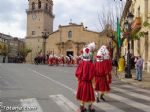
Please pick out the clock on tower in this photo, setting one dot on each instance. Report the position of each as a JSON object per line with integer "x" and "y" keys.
{"x": 39, "y": 19}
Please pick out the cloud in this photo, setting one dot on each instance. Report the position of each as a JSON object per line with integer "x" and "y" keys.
{"x": 13, "y": 15}
{"x": 85, "y": 11}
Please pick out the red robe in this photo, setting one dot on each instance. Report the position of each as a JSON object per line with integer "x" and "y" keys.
{"x": 101, "y": 76}
{"x": 63, "y": 60}
{"x": 85, "y": 73}
{"x": 108, "y": 65}
{"x": 50, "y": 61}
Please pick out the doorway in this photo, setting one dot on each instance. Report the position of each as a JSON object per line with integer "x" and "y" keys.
{"x": 68, "y": 53}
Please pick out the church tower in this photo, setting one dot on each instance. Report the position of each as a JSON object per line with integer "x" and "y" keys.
{"x": 39, "y": 19}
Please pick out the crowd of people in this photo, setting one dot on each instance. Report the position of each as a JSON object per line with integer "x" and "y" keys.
{"x": 93, "y": 74}
{"x": 136, "y": 63}
{"x": 57, "y": 60}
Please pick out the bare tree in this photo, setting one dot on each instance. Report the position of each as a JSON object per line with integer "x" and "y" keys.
{"x": 108, "y": 19}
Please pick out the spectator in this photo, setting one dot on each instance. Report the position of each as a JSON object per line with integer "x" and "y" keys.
{"x": 115, "y": 64}
{"x": 121, "y": 66}
{"x": 139, "y": 67}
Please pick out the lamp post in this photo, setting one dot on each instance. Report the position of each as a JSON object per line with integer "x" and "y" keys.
{"x": 45, "y": 36}
{"x": 127, "y": 26}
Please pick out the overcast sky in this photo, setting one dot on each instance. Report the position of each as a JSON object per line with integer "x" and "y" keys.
{"x": 13, "y": 15}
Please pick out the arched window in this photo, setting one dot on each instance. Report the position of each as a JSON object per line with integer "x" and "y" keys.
{"x": 70, "y": 34}
{"x": 33, "y": 5}
{"x": 39, "y": 4}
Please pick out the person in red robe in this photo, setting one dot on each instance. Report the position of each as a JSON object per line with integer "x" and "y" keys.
{"x": 103, "y": 73}
{"x": 85, "y": 74}
{"x": 50, "y": 60}
{"x": 63, "y": 60}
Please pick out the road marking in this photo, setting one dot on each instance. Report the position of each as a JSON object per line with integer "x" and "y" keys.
{"x": 136, "y": 88}
{"x": 65, "y": 104}
{"x": 30, "y": 105}
{"x": 134, "y": 94}
{"x": 130, "y": 102}
{"x": 1, "y": 105}
{"x": 61, "y": 70}
{"x": 57, "y": 82}
{"x": 107, "y": 107}
{"x": 111, "y": 95}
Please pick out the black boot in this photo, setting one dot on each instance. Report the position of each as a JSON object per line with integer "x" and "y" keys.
{"x": 91, "y": 109}
{"x": 102, "y": 97}
{"x": 82, "y": 109}
{"x": 97, "y": 99}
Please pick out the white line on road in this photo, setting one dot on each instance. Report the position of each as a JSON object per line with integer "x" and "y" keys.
{"x": 57, "y": 82}
{"x": 134, "y": 94}
{"x": 65, "y": 104}
{"x": 30, "y": 105}
{"x": 61, "y": 70}
{"x": 130, "y": 102}
{"x": 107, "y": 107}
{"x": 111, "y": 95}
{"x": 136, "y": 88}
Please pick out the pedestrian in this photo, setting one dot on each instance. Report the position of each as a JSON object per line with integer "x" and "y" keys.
{"x": 85, "y": 73}
{"x": 139, "y": 67}
{"x": 4, "y": 59}
{"x": 103, "y": 78}
{"x": 121, "y": 66}
{"x": 115, "y": 64}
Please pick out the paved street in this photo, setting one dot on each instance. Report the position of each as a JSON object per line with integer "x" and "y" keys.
{"x": 42, "y": 88}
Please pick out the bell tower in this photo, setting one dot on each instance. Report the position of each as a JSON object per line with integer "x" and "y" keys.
{"x": 39, "y": 19}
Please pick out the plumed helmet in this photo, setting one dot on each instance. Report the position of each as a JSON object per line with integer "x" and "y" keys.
{"x": 91, "y": 46}
{"x": 86, "y": 54}
{"x": 103, "y": 53}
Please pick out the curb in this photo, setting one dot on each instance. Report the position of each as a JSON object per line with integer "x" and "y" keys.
{"x": 129, "y": 81}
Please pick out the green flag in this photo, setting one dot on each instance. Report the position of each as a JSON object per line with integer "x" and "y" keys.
{"x": 118, "y": 33}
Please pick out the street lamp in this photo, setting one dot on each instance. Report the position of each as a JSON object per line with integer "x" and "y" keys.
{"x": 45, "y": 36}
{"x": 127, "y": 26}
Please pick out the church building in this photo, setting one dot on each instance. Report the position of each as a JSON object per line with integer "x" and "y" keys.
{"x": 70, "y": 40}
{"x": 67, "y": 40}
{"x": 39, "y": 19}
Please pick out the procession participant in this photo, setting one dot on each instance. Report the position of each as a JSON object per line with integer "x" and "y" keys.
{"x": 78, "y": 59}
{"x": 92, "y": 46}
{"x": 56, "y": 60}
{"x": 102, "y": 73}
{"x": 108, "y": 65}
{"x": 50, "y": 60}
{"x": 85, "y": 73}
{"x": 62, "y": 60}
{"x": 71, "y": 60}
{"x": 68, "y": 60}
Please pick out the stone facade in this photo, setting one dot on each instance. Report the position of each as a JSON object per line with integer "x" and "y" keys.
{"x": 39, "y": 19}
{"x": 10, "y": 47}
{"x": 70, "y": 39}
{"x": 140, "y": 10}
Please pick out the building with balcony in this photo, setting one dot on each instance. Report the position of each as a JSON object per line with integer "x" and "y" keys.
{"x": 140, "y": 34}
